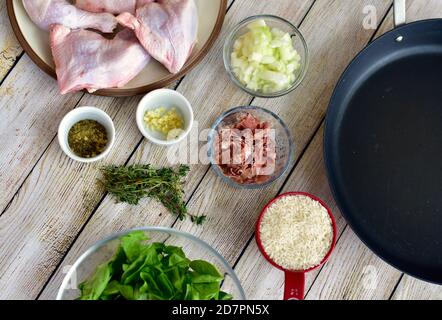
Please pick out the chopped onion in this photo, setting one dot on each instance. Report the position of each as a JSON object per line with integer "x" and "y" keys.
{"x": 264, "y": 58}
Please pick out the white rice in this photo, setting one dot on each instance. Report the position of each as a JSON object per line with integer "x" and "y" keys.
{"x": 296, "y": 232}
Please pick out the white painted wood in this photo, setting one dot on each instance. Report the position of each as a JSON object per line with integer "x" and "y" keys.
{"x": 9, "y": 47}
{"x": 30, "y": 110}
{"x": 413, "y": 289}
{"x": 59, "y": 196}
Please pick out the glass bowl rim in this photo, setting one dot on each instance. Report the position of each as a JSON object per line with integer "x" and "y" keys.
{"x": 231, "y": 38}
{"x": 172, "y": 231}
{"x": 216, "y": 168}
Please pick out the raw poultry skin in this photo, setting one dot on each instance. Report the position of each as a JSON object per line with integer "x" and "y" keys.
{"x": 86, "y": 60}
{"x": 45, "y": 13}
{"x": 167, "y": 29}
{"x": 111, "y": 6}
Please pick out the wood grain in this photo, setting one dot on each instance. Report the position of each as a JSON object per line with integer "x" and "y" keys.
{"x": 210, "y": 92}
{"x": 59, "y": 212}
{"x": 410, "y": 288}
{"x": 30, "y": 109}
{"x": 10, "y": 49}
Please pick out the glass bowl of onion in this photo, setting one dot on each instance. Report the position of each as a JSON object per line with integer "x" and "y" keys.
{"x": 250, "y": 147}
{"x": 266, "y": 56}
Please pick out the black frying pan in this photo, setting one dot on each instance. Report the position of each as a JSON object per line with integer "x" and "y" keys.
{"x": 383, "y": 146}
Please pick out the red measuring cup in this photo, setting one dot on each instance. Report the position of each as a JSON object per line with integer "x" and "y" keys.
{"x": 294, "y": 279}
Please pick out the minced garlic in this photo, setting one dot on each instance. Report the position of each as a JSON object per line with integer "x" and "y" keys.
{"x": 163, "y": 120}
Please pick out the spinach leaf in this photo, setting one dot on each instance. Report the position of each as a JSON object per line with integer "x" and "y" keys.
{"x": 225, "y": 296}
{"x": 132, "y": 244}
{"x": 207, "y": 291}
{"x": 204, "y": 278}
{"x": 204, "y": 267}
{"x": 113, "y": 288}
{"x": 92, "y": 289}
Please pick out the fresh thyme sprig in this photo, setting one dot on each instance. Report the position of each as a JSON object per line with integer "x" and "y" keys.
{"x": 132, "y": 183}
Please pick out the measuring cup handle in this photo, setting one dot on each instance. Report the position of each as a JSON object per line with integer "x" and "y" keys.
{"x": 294, "y": 286}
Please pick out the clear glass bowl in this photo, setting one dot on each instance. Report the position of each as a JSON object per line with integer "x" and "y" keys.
{"x": 299, "y": 44}
{"x": 285, "y": 147}
{"x": 104, "y": 250}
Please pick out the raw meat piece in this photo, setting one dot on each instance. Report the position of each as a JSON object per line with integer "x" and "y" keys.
{"x": 111, "y": 6}
{"x": 45, "y": 13}
{"x": 167, "y": 29}
{"x": 86, "y": 60}
{"x": 245, "y": 150}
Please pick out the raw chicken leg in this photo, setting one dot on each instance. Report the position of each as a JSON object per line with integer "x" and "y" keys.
{"x": 167, "y": 29}
{"x": 45, "y": 13}
{"x": 111, "y": 6}
{"x": 86, "y": 60}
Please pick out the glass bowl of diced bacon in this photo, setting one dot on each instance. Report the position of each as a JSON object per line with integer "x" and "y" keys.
{"x": 250, "y": 147}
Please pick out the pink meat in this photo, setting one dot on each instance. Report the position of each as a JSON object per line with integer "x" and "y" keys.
{"x": 246, "y": 150}
{"x": 111, "y": 6}
{"x": 45, "y": 13}
{"x": 86, "y": 60}
{"x": 167, "y": 29}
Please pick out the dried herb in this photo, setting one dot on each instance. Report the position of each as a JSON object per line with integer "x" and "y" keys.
{"x": 132, "y": 183}
{"x": 88, "y": 138}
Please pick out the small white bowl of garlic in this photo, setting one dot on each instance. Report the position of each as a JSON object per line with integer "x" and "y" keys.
{"x": 165, "y": 117}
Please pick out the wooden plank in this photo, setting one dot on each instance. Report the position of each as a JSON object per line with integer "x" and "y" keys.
{"x": 210, "y": 92}
{"x": 30, "y": 109}
{"x": 9, "y": 47}
{"x": 410, "y": 288}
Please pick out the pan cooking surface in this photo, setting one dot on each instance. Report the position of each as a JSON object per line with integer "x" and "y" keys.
{"x": 384, "y": 157}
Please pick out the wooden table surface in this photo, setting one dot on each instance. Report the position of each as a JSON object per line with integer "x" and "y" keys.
{"x": 51, "y": 210}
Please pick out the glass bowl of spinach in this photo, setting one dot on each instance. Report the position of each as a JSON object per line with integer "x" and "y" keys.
{"x": 151, "y": 263}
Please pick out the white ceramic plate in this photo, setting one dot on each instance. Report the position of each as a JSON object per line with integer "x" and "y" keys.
{"x": 36, "y": 44}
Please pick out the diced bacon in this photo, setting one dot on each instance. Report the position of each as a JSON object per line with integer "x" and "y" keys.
{"x": 246, "y": 150}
